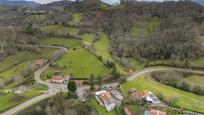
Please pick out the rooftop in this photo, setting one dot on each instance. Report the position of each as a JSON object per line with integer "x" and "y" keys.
{"x": 57, "y": 78}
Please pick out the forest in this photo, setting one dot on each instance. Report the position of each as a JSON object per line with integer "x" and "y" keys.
{"x": 170, "y": 30}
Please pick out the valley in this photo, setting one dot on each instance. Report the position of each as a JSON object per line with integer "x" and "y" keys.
{"x": 88, "y": 57}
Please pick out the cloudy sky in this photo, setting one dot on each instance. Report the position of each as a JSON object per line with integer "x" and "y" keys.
{"x": 107, "y": 1}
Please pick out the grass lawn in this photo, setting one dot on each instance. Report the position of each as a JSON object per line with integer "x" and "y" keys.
{"x": 167, "y": 91}
{"x": 195, "y": 80}
{"x": 48, "y": 73}
{"x": 24, "y": 56}
{"x": 102, "y": 47}
{"x": 39, "y": 87}
{"x": 144, "y": 27}
{"x": 99, "y": 109}
{"x": 14, "y": 71}
{"x": 198, "y": 62}
{"x": 88, "y": 38}
{"x": 66, "y": 42}
{"x": 79, "y": 63}
{"x": 134, "y": 109}
{"x": 59, "y": 29}
{"x": 10, "y": 100}
{"x": 76, "y": 19}
{"x": 36, "y": 17}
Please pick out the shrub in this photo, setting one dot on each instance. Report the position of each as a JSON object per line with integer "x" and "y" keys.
{"x": 184, "y": 86}
{"x": 197, "y": 90}
{"x": 122, "y": 80}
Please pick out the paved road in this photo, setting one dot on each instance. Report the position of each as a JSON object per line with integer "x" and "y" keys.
{"x": 52, "y": 88}
{"x": 149, "y": 70}
{"x": 55, "y": 88}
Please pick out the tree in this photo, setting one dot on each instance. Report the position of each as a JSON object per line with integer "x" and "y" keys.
{"x": 197, "y": 90}
{"x": 184, "y": 86}
{"x": 122, "y": 80}
{"x": 72, "y": 86}
{"x": 57, "y": 54}
{"x": 91, "y": 81}
{"x": 99, "y": 78}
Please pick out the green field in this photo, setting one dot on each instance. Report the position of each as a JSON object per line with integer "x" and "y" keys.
{"x": 11, "y": 68}
{"x": 144, "y": 27}
{"x": 79, "y": 63}
{"x": 144, "y": 83}
{"x": 88, "y": 38}
{"x": 102, "y": 48}
{"x": 14, "y": 73}
{"x": 10, "y": 100}
{"x": 66, "y": 42}
{"x": 36, "y": 17}
{"x": 195, "y": 80}
{"x": 76, "y": 19}
{"x": 59, "y": 29}
{"x": 24, "y": 56}
{"x": 99, "y": 109}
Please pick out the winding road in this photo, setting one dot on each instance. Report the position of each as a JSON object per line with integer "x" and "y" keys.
{"x": 55, "y": 88}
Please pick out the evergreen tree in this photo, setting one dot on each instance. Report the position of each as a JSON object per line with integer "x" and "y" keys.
{"x": 91, "y": 81}
{"x": 72, "y": 86}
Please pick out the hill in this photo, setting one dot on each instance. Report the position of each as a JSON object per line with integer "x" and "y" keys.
{"x": 201, "y": 2}
{"x": 58, "y": 5}
{"x": 19, "y": 3}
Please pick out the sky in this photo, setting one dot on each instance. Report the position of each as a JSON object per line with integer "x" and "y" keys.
{"x": 107, "y": 1}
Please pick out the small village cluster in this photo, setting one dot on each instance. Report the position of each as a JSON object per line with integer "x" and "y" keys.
{"x": 113, "y": 97}
{"x": 108, "y": 97}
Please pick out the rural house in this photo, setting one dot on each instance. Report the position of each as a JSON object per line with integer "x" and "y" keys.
{"x": 146, "y": 95}
{"x": 105, "y": 99}
{"x": 58, "y": 79}
{"x": 20, "y": 90}
{"x": 38, "y": 63}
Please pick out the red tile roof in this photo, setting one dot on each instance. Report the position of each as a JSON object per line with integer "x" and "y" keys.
{"x": 38, "y": 62}
{"x": 139, "y": 95}
{"x": 157, "y": 112}
{"x": 127, "y": 112}
{"x": 57, "y": 78}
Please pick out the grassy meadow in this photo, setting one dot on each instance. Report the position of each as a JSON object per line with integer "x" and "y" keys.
{"x": 102, "y": 48}
{"x": 65, "y": 42}
{"x": 88, "y": 38}
{"x": 24, "y": 56}
{"x": 10, "y": 100}
{"x": 76, "y": 19}
{"x": 59, "y": 29}
{"x": 147, "y": 83}
{"x": 78, "y": 63}
{"x": 144, "y": 27}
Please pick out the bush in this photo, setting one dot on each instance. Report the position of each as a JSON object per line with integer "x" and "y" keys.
{"x": 71, "y": 95}
{"x": 184, "y": 86}
{"x": 2, "y": 84}
{"x": 197, "y": 90}
{"x": 160, "y": 96}
{"x": 122, "y": 80}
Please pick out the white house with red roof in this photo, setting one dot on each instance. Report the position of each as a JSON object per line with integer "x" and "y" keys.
{"x": 105, "y": 99}
{"x": 58, "y": 79}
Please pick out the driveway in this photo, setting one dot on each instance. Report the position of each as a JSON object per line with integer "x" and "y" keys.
{"x": 55, "y": 88}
